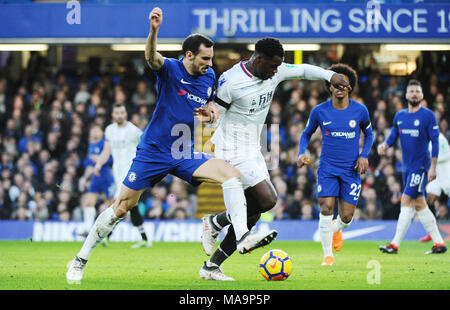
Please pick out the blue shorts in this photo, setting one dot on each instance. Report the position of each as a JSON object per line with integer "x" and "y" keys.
{"x": 103, "y": 184}
{"x": 415, "y": 183}
{"x": 336, "y": 182}
{"x": 151, "y": 165}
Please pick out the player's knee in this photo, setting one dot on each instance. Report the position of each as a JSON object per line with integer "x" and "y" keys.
{"x": 121, "y": 207}
{"x": 269, "y": 202}
{"x": 326, "y": 209}
{"x": 346, "y": 218}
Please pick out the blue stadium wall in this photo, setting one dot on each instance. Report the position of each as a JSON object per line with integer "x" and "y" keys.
{"x": 320, "y": 21}
{"x": 190, "y": 230}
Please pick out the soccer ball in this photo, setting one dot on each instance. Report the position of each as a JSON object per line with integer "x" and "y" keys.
{"x": 275, "y": 265}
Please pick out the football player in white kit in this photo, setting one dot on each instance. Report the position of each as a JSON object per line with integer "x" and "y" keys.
{"x": 122, "y": 138}
{"x": 244, "y": 95}
{"x": 441, "y": 184}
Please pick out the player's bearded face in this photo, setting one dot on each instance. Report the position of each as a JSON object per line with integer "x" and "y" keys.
{"x": 203, "y": 60}
{"x": 119, "y": 116}
{"x": 414, "y": 95}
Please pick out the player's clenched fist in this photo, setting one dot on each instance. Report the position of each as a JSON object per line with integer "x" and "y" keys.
{"x": 303, "y": 160}
{"x": 155, "y": 18}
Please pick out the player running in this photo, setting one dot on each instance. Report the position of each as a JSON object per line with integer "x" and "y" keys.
{"x": 100, "y": 182}
{"x": 244, "y": 95}
{"x": 122, "y": 138}
{"x": 441, "y": 184}
{"x": 166, "y": 145}
{"x": 341, "y": 163}
{"x": 416, "y": 126}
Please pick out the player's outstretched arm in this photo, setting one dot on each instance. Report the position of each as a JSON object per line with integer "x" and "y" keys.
{"x": 311, "y": 72}
{"x": 154, "y": 59}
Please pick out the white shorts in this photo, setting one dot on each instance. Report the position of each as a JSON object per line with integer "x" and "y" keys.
{"x": 119, "y": 176}
{"x": 253, "y": 170}
{"x": 436, "y": 188}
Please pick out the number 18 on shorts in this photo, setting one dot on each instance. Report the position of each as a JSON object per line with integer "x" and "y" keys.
{"x": 415, "y": 183}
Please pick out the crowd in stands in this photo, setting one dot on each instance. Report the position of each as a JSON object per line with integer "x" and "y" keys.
{"x": 44, "y": 125}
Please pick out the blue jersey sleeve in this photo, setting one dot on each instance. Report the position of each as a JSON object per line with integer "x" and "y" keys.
{"x": 366, "y": 127}
{"x": 310, "y": 128}
{"x": 394, "y": 132}
{"x": 163, "y": 72}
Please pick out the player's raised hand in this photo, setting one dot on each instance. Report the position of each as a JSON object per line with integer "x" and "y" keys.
{"x": 362, "y": 164}
{"x": 155, "y": 18}
{"x": 303, "y": 159}
{"x": 338, "y": 81}
{"x": 381, "y": 149}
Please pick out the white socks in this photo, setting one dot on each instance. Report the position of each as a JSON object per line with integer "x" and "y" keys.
{"x": 404, "y": 220}
{"x": 89, "y": 214}
{"x": 234, "y": 198}
{"x": 428, "y": 221}
{"x": 104, "y": 224}
{"x": 326, "y": 234}
{"x": 338, "y": 225}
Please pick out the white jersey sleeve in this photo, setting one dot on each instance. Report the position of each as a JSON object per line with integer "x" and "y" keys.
{"x": 444, "y": 149}
{"x": 136, "y": 132}
{"x": 224, "y": 96}
{"x": 303, "y": 71}
{"x": 108, "y": 133}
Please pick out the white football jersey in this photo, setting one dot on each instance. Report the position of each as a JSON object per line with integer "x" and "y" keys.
{"x": 247, "y": 99}
{"x": 123, "y": 142}
{"x": 443, "y": 164}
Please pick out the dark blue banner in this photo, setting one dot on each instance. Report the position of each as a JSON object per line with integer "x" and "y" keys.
{"x": 190, "y": 230}
{"x": 297, "y": 22}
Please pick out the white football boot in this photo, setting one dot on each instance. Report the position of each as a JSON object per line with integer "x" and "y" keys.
{"x": 75, "y": 272}
{"x": 213, "y": 273}
{"x": 209, "y": 235}
{"x": 254, "y": 240}
{"x": 142, "y": 244}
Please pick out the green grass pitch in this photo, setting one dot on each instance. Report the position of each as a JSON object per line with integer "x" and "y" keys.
{"x": 28, "y": 265}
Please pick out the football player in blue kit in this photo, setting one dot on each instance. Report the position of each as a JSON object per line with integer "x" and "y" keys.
{"x": 341, "y": 121}
{"x": 167, "y": 145}
{"x": 416, "y": 126}
{"x": 101, "y": 183}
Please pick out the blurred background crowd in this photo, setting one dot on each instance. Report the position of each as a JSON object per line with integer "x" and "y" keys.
{"x": 45, "y": 116}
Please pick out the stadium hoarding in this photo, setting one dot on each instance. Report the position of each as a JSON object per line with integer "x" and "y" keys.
{"x": 79, "y": 22}
{"x": 190, "y": 230}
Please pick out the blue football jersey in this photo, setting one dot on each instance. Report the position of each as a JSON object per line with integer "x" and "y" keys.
{"x": 415, "y": 130}
{"x": 178, "y": 94}
{"x": 95, "y": 149}
{"x": 340, "y": 133}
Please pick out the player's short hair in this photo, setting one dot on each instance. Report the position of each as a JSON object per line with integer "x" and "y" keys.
{"x": 192, "y": 43}
{"x": 118, "y": 105}
{"x": 414, "y": 83}
{"x": 94, "y": 124}
{"x": 347, "y": 71}
{"x": 269, "y": 47}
